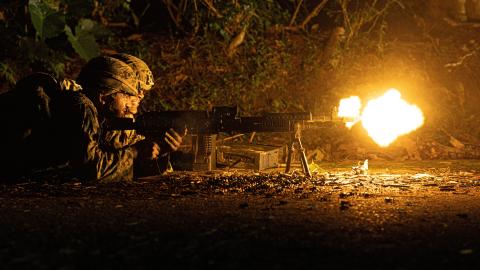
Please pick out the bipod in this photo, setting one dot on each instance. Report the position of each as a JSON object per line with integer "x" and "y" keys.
{"x": 296, "y": 143}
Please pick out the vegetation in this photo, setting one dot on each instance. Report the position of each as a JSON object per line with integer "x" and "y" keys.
{"x": 274, "y": 55}
{"x": 203, "y": 52}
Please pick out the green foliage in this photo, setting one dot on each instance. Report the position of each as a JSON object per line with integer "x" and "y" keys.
{"x": 256, "y": 16}
{"x": 365, "y": 19}
{"x": 41, "y": 57}
{"x": 47, "y": 20}
{"x": 83, "y": 41}
{"x": 7, "y": 73}
{"x": 78, "y": 9}
{"x": 44, "y": 40}
{"x": 271, "y": 66}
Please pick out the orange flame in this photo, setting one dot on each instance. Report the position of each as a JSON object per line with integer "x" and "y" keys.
{"x": 388, "y": 117}
{"x": 349, "y": 108}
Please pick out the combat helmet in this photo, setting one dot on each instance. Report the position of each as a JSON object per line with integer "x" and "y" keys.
{"x": 107, "y": 75}
{"x": 143, "y": 72}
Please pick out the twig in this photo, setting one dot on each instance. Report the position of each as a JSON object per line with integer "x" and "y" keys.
{"x": 465, "y": 24}
{"x": 314, "y": 13}
{"x": 116, "y": 24}
{"x": 295, "y": 13}
{"x": 171, "y": 6}
{"x": 346, "y": 19}
{"x": 182, "y": 6}
{"x": 460, "y": 61}
{"x": 210, "y": 6}
{"x": 197, "y": 20}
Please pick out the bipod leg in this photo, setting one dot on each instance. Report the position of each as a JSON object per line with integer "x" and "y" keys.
{"x": 195, "y": 148}
{"x": 303, "y": 158}
{"x": 289, "y": 156}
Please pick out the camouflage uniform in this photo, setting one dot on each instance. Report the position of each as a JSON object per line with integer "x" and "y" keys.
{"x": 49, "y": 128}
{"x": 145, "y": 83}
{"x": 117, "y": 139}
{"x": 76, "y": 131}
{"x": 69, "y": 85}
{"x": 108, "y": 75}
{"x": 111, "y": 139}
{"x": 114, "y": 140}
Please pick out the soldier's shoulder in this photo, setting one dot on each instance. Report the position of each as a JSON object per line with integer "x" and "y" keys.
{"x": 75, "y": 97}
{"x": 75, "y": 102}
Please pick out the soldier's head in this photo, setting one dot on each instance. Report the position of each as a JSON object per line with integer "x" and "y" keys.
{"x": 144, "y": 74}
{"x": 144, "y": 78}
{"x": 110, "y": 83}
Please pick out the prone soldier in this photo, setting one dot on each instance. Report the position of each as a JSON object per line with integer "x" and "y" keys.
{"x": 65, "y": 128}
{"x": 116, "y": 139}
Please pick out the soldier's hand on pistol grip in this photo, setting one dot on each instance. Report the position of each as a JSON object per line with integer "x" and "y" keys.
{"x": 147, "y": 150}
{"x": 173, "y": 140}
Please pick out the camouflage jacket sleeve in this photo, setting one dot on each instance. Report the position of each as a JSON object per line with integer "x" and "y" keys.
{"x": 120, "y": 139}
{"x": 69, "y": 85}
{"x": 93, "y": 160}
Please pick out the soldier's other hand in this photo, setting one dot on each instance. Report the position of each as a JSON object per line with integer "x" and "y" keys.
{"x": 173, "y": 139}
{"x": 147, "y": 150}
{"x": 155, "y": 151}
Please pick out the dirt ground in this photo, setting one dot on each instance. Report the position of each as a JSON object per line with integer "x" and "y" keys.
{"x": 402, "y": 215}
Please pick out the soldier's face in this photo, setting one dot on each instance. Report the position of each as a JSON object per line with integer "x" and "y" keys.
{"x": 120, "y": 105}
{"x": 133, "y": 103}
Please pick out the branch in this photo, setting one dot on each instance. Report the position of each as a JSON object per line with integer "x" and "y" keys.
{"x": 181, "y": 6}
{"x": 170, "y": 5}
{"x": 212, "y": 8}
{"x": 460, "y": 61}
{"x": 197, "y": 20}
{"x": 314, "y": 13}
{"x": 295, "y": 13}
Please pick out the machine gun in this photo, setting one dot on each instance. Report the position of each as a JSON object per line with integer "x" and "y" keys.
{"x": 206, "y": 124}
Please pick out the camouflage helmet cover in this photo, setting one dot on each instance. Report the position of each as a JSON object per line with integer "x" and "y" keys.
{"x": 108, "y": 76}
{"x": 144, "y": 74}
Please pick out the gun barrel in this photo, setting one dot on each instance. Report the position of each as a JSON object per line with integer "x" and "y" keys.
{"x": 272, "y": 122}
{"x": 220, "y": 119}
{"x": 196, "y": 121}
